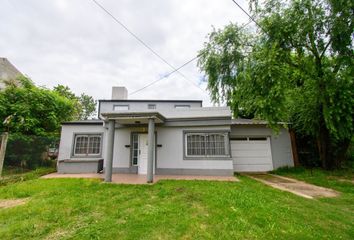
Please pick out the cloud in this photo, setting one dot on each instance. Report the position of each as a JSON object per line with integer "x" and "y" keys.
{"x": 73, "y": 42}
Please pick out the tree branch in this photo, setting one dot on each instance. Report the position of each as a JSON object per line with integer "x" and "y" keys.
{"x": 325, "y": 49}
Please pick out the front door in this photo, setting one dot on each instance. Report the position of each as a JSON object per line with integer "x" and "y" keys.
{"x": 143, "y": 154}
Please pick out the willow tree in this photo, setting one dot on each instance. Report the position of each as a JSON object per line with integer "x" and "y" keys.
{"x": 296, "y": 67}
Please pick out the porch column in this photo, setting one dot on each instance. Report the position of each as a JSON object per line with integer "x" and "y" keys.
{"x": 109, "y": 153}
{"x": 151, "y": 149}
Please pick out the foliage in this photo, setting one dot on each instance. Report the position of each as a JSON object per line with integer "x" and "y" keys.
{"x": 85, "y": 105}
{"x": 172, "y": 210}
{"x": 31, "y": 110}
{"x": 297, "y": 68}
{"x": 29, "y": 151}
{"x": 88, "y": 106}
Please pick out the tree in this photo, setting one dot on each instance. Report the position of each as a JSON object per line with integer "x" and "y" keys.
{"x": 297, "y": 68}
{"x": 88, "y": 105}
{"x": 85, "y": 105}
{"x": 33, "y": 116}
{"x": 31, "y": 110}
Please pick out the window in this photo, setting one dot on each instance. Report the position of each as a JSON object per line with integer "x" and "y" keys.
{"x": 206, "y": 144}
{"x": 182, "y": 106}
{"x": 87, "y": 145}
{"x": 120, "y": 107}
{"x": 151, "y": 106}
{"x": 135, "y": 149}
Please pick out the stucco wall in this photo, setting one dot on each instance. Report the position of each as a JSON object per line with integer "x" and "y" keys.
{"x": 67, "y": 138}
{"x": 280, "y": 143}
{"x": 143, "y": 106}
{"x": 170, "y": 155}
{"x": 121, "y": 154}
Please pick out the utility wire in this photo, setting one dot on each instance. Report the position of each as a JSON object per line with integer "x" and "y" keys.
{"x": 165, "y": 76}
{"x": 239, "y": 6}
{"x": 143, "y": 43}
{"x": 169, "y": 74}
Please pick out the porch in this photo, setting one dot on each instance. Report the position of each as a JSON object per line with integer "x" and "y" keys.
{"x": 140, "y": 178}
{"x": 148, "y": 153}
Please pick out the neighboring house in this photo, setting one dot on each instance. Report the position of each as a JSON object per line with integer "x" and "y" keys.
{"x": 8, "y": 72}
{"x": 169, "y": 137}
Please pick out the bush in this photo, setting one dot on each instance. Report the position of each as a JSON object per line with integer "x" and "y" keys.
{"x": 29, "y": 151}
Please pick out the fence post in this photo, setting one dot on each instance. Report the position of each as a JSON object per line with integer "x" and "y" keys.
{"x": 3, "y": 143}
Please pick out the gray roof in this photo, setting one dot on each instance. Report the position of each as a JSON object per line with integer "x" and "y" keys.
{"x": 190, "y": 113}
{"x": 84, "y": 122}
{"x": 148, "y": 100}
{"x": 243, "y": 121}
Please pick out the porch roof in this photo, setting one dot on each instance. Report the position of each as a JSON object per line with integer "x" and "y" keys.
{"x": 134, "y": 117}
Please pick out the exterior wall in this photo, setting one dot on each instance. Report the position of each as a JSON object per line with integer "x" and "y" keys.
{"x": 170, "y": 156}
{"x": 67, "y": 140}
{"x": 143, "y": 106}
{"x": 121, "y": 154}
{"x": 280, "y": 143}
{"x": 80, "y": 166}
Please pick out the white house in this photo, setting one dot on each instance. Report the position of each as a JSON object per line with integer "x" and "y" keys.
{"x": 169, "y": 137}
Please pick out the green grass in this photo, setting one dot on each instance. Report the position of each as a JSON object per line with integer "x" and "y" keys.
{"x": 90, "y": 209}
{"x": 13, "y": 175}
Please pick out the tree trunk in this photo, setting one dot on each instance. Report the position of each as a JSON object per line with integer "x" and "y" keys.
{"x": 341, "y": 150}
{"x": 324, "y": 146}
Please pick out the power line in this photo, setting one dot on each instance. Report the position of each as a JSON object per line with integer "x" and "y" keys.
{"x": 239, "y": 6}
{"x": 165, "y": 76}
{"x": 143, "y": 43}
{"x": 245, "y": 25}
{"x": 169, "y": 74}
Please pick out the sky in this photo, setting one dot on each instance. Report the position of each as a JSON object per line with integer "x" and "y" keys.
{"x": 75, "y": 43}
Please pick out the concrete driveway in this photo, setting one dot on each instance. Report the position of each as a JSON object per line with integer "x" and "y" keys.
{"x": 294, "y": 186}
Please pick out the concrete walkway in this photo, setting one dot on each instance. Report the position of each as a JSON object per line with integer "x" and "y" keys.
{"x": 141, "y": 179}
{"x": 299, "y": 188}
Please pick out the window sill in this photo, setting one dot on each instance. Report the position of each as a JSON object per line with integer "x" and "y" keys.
{"x": 207, "y": 158}
{"x": 73, "y": 160}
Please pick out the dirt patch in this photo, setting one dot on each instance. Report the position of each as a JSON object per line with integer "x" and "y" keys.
{"x": 8, "y": 203}
{"x": 345, "y": 180}
{"x": 61, "y": 233}
{"x": 294, "y": 186}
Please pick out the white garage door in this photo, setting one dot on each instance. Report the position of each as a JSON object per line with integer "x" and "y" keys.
{"x": 251, "y": 154}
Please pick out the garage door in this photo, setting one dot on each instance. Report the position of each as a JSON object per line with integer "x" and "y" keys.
{"x": 251, "y": 154}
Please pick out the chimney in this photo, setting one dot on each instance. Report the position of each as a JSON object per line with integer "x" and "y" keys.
{"x": 119, "y": 93}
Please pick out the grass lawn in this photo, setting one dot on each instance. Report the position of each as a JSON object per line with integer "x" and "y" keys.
{"x": 13, "y": 175}
{"x": 89, "y": 209}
